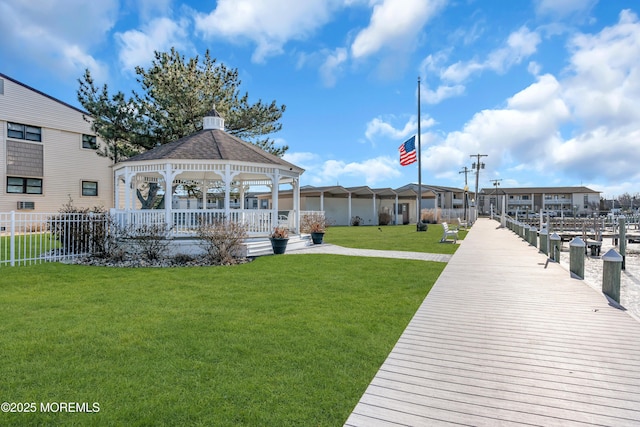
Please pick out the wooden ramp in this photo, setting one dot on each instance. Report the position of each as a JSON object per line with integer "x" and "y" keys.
{"x": 504, "y": 339}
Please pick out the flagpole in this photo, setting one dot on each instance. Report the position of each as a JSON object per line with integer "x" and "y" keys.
{"x": 419, "y": 163}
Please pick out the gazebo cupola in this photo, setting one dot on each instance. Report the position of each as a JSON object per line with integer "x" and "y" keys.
{"x": 213, "y": 120}
{"x": 210, "y": 164}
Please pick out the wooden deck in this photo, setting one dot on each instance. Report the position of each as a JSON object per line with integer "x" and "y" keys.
{"x": 503, "y": 340}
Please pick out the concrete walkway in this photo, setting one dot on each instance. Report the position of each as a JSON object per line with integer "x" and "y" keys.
{"x": 504, "y": 338}
{"x": 327, "y": 248}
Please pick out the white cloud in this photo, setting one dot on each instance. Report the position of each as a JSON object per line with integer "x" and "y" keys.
{"x": 394, "y": 24}
{"x": 603, "y": 91}
{"x": 605, "y": 85}
{"x": 563, "y": 8}
{"x": 379, "y": 128}
{"x": 161, "y": 34}
{"x": 332, "y": 171}
{"x": 372, "y": 171}
{"x": 603, "y": 151}
{"x": 332, "y": 66}
{"x": 57, "y": 34}
{"x": 441, "y": 93}
{"x": 524, "y": 131}
{"x": 270, "y": 24}
{"x": 594, "y": 104}
{"x": 519, "y": 45}
{"x": 305, "y": 160}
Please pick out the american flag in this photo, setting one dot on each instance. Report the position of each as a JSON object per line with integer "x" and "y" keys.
{"x": 408, "y": 152}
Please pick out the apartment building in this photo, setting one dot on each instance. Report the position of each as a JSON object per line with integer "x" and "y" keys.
{"x": 573, "y": 201}
{"x": 48, "y": 153}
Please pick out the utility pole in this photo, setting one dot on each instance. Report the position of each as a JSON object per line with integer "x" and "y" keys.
{"x": 496, "y": 183}
{"x": 465, "y": 201}
{"x": 477, "y": 165}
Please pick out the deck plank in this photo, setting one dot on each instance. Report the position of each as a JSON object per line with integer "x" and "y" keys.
{"x": 505, "y": 338}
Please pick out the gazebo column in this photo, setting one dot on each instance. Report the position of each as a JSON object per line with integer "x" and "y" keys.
{"x": 349, "y": 201}
{"x": 116, "y": 190}
{"x": 131, "y": 182}
{"x": 127, "y": 189}
{"x": 227, "y": 192}
{"x": 242, "y": 207}
{"x": 204, "y": 188}
{"x": 228, "y": 179}
{"x": 322, "y": 201}
{"x": 275, "y": 179}
{"x": 169, "y": 174}
{"x": 295, "y": 184}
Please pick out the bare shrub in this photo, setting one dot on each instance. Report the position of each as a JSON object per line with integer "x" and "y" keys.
{"x": 313, "y": 223}
{"x": 429, "y": 216}
{"x": 222, "y": 241}
{"x": 79, "y": 230}
{"x": 182, "y": 259}
{"x": 150, "y": 241}
{"x": 384, "y": 218}
{"x": 356, "y": 220}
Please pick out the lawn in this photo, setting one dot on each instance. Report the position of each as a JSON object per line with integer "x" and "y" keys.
{"x": 279, "y": 341}
{"x": 27, "y": 246}
{"x": 393, "y": 237}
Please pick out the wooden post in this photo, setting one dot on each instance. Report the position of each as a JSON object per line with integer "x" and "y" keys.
{"x": 555, "y": 245}
{"x": 534, "y": 237}
{"x": 611, "y": 270}
{"x": 576, "y": 257}
{"x": 544, "y": 241}
{"x": 623, "y": 239}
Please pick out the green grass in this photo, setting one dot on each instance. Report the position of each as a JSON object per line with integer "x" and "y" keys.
{"x": 392, "y": 237}
{"x": 283, "y": 340}
{"x": 27, "y": 245}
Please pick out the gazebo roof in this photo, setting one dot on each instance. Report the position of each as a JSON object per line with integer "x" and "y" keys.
{"x": 212, "y": 144}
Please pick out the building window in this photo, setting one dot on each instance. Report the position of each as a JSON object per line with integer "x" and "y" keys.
{"x": 19, "y": 131}
{"x": 18, "y": 185}
{"x": 89, "y": 142}
{"x": 89, "y": 188}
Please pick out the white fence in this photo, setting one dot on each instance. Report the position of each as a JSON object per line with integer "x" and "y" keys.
{"x": 32, "y": 238}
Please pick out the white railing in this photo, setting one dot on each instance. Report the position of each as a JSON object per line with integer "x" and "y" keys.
{"x": 32, "y": 238}
{"x": 185, "y": 222}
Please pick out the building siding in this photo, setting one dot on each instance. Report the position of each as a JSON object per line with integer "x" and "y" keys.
{"x": 58, "y": 159}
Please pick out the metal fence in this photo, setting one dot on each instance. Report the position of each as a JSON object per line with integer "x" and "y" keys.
{"x": 33, "y": 238}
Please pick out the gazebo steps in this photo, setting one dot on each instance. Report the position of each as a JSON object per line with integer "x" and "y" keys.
{"x": 260, "y": 247}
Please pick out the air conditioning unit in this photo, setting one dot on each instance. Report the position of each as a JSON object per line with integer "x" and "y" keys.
{"x": 26, "y": 205}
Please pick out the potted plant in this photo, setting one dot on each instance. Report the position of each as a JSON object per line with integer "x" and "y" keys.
{"x": 316, "y": 225}
{"x": 317, "y": 232}
{"x": 279, "y": 238}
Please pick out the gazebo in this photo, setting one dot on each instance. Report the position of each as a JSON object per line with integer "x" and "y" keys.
{"x": 208, "y": 164}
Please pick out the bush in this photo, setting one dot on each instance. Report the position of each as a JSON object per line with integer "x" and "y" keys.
{"x": 429, "y": 216}
{"x": 80, "y": 230}
{"x": 182, "y": 259}
{"x": 150, "y": 241}
{"x": 222, "y": 241}
{"x": 313, "y": 223}
{"x": 384, "y": 218}
{"x": 356, "y": 220}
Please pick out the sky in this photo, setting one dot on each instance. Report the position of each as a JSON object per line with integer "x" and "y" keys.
{"x": 548, "y": 90}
